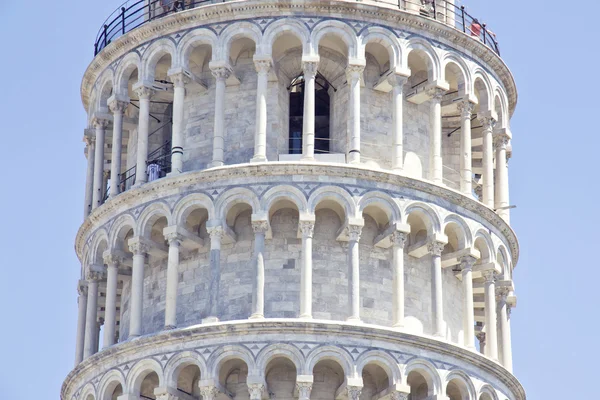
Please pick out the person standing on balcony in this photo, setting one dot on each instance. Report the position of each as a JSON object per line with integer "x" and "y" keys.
{"x": 475, "y": 28}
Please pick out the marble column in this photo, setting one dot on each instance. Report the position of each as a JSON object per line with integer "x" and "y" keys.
{"x": 81, "y": 320}
{"x": 174, "y": 239}
{"x": 117, "y": 107}
{"x": 98, "y": 191}
{"x": 436, "y": 166}
{"x": 465, "y": 108}
{"x": 488, "y": 161}
{"x": 216, "y": 237}
{"x": 90, "y": 149}
{"x": 221, "y": 73}
{"x": 139, "y": 250}
{"x": 354, "y": 232}
{"x": 179, "y": 80}
{"x": 353, "y": 75}
{"x": 398, "y": 242}
{"x": 504, "y": 328}
{"x": 437, "y": 300}
{"x": 90, "y": 347}
{"x": 397, "y": 82}
{"x": 263, "y": 66}
{"x": 309, "y": 69}
{"x": 501, "y": 183}
{"x": 145, "y": 94}
{"x": 308, "y": 229}
{"x": 258, "y": 294}
{"x": 466, "y": 266}
{"x": 490, "y": 314}
{"x": 113, "y": 262}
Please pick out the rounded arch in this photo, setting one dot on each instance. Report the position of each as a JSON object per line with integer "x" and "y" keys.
{"x": 226, "y": 353}
{"x": 150, "y": 215}
{"x": 382, "y": 201}
{"x": 501, "y": 107}
{"x": 466, "y": 238}
{"x": 503, "y": 261}
{"x": 139, "y": 371}
{"x": 460, "y": 68}
{"x": 96, "y": 253}
{"x": 109, "y": 383}
{"x": 428, "y": 371}
{"x": 234, "y": 196}
{"x": 105, "y": 88}
{"x": 191, "y": 202}
{"x": 274, "y": 351}
{"x": 482, "y": 88}
{"x": 190, "y": 41}
{"x": 487, "y": 392}
{"x": 286, "y": 26}
{"x": 335, "y": 194}
{"x": 383, "y": 360}
{"x": 485, "y": 244}
{"x": 181, "y": 360}
{"x": 342, "y": 357}
{"x": 429, "y": 215}
{"x": 464, "y": 383}
{"x": 336, "y": 28}
{"x": 128, "y": 64}
{"x": 119, "y": 229}
{"x": 87, "y": 391}
{"x": 433, "y": 60}
{"x": 284, "y": 192}
{"x": 235, "y": 31}
{"x": 384, "y": 37}
{"x": 154, "y": 53}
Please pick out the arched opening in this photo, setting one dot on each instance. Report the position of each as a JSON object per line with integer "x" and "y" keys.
{"x": 196, "y": 222}
{"x": 328, "y": 376}
{"x": 113, "y": 391}
{"x": 233, "y": 376}
{"x": 322, "y": 114}
{"x": 419, "y": 387}
{"x": 149, "y": 384}
{"x": 375, "y": 381}
{"x": 187, "y": 381}
{"x": 280, "y": 376}
{"x": 456, "y": 390}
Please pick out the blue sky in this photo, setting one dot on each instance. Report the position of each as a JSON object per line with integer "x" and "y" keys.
{"x": 552, "y": 48}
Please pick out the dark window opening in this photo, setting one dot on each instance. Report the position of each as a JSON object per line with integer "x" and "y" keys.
{"x": 322, "y": 112}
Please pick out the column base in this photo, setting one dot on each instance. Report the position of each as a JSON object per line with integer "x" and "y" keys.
{"x": 307, "y": 159}
{"x": 170, "y": 327}
{"x": 257, "y": 316}
{"x": 216, "y": 164}
{"x": 354, "y": 320}
{"x": 258, "y": 159}
{"x": 210, "y": 320}
{"x": 305, "y": 316}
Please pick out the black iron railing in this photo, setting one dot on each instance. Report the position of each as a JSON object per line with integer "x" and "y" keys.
{"x": 135, "y": 13}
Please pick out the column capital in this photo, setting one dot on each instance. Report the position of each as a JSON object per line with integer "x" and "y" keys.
{"x": 262, "y": 64}
{"x": 307, "y": 228}
{"x": 310, "y": 68}
{"x": 260, "y": 226}
{"x": 489, "y": 275}
{"x": 143, "y": 90}
{"x": 166, "y": 393}
{"x": 466, "y": 108}
{"x": 256, "y": 390}
{"x": 89, "y": 139}
{"x": 467, "y": 262}
{"x": 354, "y": 71}
{"x": 221, "y": 71}
{"x": 179, "y": 76}
{"x": 209, "y": 392}
{"x": 118, "y": 104}
{"x": 479, "y": 192}
{"x": 174, "y": 238}
{"x": 216, "y": 232}
{"x": 397, "y": 79}
{"x": 93, "y": 275}
{"x": 488, "y": 119}
{"x": 501, "y": 140}
{"x": 502, "y": 293}
{"x": 435, "y": 247}
{"x": 354, "y": 232}
{"x": 304, "y": 390}
{"x": 113, "y": 258}
{"x": 480, "y": 336}
{"x": 399, "y": 395}
{"x": 354, "y": 392}
{"x": 436, "y": 93}
{"x": 138, "y": 246}
{"x": 399, "y": 239}
{"x": 82, "y": 288}
{"x": 100, "y": 122}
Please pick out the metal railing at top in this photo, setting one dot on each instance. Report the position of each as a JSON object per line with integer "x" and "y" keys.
{"x": 135, "y": 13}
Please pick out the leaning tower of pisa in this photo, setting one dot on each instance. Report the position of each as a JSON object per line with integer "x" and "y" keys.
{"x": 296, "y": 199}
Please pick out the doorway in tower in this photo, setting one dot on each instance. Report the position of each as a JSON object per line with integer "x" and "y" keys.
{"x": 322, "y": 112}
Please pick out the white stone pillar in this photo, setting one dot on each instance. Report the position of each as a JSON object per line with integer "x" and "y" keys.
{"x": 398, "y": 82}
{"x": 90, "y": 149}
{"x": 398, "y": 242}
{"x": 482, "y": 340}
{"x": 216, "y": 237}
{"x": 353, "y": 74}
{"x": 466, "y": 266}
{"x": 504, "y": 327}
{"x": 263, "y": 66}
{"x": 221, "y": 73}
{"x": 488, "y": 161}
{"x": 145, "y": 94}
{"x": 90, "y": 346}
{"x": 466, "y": 158}
{"x": 308, "y": 229}
{"x": 179, "y": 80}
{"x": 81, "y": 317}
{"x": 174, "y": 239}
{"x": 98, "y": 193}
{"x": 139, "y": 249}
{"x": 491, "y": 332}
{"x": 310, "y": 69}
{"x": 110, "y": 314}
{"x": 501, "y": 184}
{"x": 436, "y": 168}
{"x": 117, "y": 107}
{"x": 354, "y": 232}
{"x": 258, "y": 294}
{"x": 437, "y": 299}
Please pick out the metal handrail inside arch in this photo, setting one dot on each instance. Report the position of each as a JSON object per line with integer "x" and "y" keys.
{"x": 135, "y": 13}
